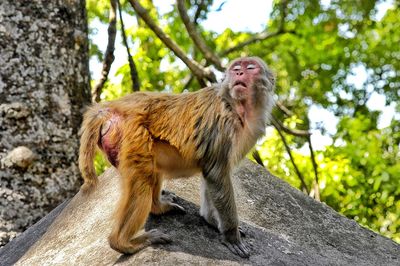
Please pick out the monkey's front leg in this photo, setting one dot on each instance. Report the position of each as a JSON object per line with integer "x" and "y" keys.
{"x": 207, "y": 209}
{"x": 220, "y": 189}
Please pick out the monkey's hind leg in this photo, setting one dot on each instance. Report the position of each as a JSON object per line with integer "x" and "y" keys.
{"x": 137, "y": 176}
{"x": 132, "y": 214}
{"x": 162, "y": 203}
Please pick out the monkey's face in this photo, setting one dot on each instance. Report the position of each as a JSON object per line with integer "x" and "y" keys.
{"x": 242, "y": 75}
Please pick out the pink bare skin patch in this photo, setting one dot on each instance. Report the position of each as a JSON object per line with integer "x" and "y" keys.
{"x": 110, "y": 139}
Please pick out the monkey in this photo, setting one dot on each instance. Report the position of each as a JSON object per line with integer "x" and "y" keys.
{"x": 150, "y": 137}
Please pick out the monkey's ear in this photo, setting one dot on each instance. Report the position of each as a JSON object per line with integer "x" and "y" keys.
{"x": 271, "y": 79}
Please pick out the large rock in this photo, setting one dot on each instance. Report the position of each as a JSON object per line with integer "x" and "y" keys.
{"x": 282, "y": 227}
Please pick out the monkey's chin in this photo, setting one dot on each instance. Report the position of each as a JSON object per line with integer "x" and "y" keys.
{"x": 239, "y": 94}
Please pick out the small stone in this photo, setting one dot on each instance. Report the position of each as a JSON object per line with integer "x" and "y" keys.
{"x": 21, "y": 157}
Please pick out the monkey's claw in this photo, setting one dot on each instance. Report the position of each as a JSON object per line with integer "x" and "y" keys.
{"x": 168, "y": 196}
{"x": 158, "y": 237}
{"x": 241, "y": 231}
{"x": 175, "y": 208}
{"x": 231, "y": 239}
{"x": 237, "y": 248}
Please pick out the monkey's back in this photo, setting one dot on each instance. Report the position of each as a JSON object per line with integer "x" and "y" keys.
{"x": 175, "y": 118}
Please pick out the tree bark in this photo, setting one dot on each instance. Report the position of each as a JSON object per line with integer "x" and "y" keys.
{"x": 44, "y": 85}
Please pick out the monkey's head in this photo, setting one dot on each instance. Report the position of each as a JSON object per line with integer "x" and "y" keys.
{"x": 249, "y": 78}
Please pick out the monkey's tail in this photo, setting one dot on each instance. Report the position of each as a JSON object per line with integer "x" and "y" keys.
{"x": 90, "y": 135}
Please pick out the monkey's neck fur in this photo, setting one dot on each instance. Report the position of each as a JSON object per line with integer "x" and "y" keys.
{"x": 252, "y": 113}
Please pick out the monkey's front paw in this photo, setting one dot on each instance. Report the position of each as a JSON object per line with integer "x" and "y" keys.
{"x": 238, "y": 248}
{"x": 157, "y": 237}
{"x": 231, "y": 239}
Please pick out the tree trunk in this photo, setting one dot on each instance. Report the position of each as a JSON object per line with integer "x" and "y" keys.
{"x": 44, "y": 85}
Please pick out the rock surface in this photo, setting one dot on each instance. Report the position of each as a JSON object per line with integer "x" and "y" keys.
{"x": 282, "y": 227}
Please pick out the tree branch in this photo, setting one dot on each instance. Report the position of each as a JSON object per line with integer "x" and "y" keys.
{"x": 187, "y": 83}
{"x": 294, "y": 132}
{"x": 283, "y": 9}
{"x": 257, "y": 157}
{"x": 196, "y": 38}
{"x": 132, "y": 66}
{"x": 109, "y": 53}
{"x": 198, "y": 70}
{"x": 283, "y": 108}
{"x": 315, "y": 167}
{"x": 201, "y": 6}
{"x": 262, "y": 36}
{"x": 300, "y": 176}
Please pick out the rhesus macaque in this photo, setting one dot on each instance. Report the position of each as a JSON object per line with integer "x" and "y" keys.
{"x": 149, "y": 137}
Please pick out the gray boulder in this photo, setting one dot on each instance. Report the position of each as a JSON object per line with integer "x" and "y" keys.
{"x": 282, "y": 227}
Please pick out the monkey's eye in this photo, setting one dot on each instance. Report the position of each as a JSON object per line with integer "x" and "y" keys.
{"x": 251, "y": 66}
{"x": 237, "y": 67}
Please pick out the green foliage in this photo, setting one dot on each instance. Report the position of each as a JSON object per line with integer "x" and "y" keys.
{"x": 100, "y": 163}
{"x": 359, "y": 174}
{"x": 98, "y": 9}
{"x": 367, "y": 188}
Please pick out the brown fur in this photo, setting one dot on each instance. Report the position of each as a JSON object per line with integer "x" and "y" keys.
{"x": 152, "y": 136}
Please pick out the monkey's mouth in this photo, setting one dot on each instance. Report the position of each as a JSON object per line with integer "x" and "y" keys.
{"x": 241, "y": 83}
{"x": 239, "y": 90}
